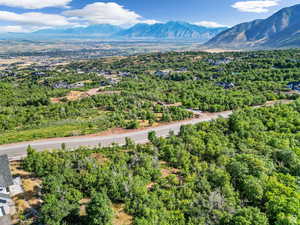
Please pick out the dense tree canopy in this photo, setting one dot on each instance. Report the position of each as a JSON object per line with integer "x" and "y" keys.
{"x": 238, "y": 171}
{"x": 195, "y": 80}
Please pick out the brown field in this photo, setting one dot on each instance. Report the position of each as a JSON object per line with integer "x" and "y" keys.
{"x": 121, "y": 218}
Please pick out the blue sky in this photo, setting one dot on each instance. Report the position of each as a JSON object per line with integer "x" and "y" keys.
{"x": 29, "y": 15}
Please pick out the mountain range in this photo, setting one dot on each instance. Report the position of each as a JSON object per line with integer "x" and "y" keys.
{"x": 282, "y": 29}
{"x": 97, "y": 29}
{"x": 170, "y": 30}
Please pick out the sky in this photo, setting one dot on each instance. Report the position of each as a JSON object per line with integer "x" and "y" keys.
{"x": 31, "y": 15}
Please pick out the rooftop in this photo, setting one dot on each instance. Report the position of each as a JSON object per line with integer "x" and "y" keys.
{"x": 6, "y": 179}
{"x": 5, "y": 220}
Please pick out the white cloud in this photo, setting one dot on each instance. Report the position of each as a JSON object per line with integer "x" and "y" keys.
{"x": 6, "y": 29}
{"x": 38, "y": 19}
{"x": 150, "y": 22}
{"x": 210, "y": 24}
{"x": 35, "y": 4}
{"x": 259, "y": 6}
{"x": 106, "y": 13}
{"x": 96, "y": 13}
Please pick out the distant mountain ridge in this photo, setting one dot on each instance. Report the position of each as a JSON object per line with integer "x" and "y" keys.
{"x": 97, "y": 29}
{"x": 170, "y": 30}
{"x": 282, "y": 29}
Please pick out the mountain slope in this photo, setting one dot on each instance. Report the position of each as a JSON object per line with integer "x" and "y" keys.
{"x": 282, "y": 29}
{"x": 170, "y": 30}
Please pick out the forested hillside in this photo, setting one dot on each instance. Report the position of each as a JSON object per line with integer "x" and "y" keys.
{"x": 138, "y": 91}
{"x": 243, "y": 170}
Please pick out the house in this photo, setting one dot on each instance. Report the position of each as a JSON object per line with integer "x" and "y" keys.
{"x": 77, "y": 85}
{"x": 6, "y": 181}
{"x": 183, "y": 69}
{"x": 61, "y": 85}
{"x": 293, "y": 60}
{"x": 103, "y": 83}
{"x": 215, "y": 76}
{"x": 162, "y": 73}
{"x": 219, "y": 62}
{"x": 124, "y": 74}
{"x": 113, "y": 81}
{"x": 105, "y": 73}
{"x": 8, "y": 73}
{"x": 39, "y": 74}
{"x": 226, "y": 85}
{"x": 294, "y": 86}
{"x": 79, "y": 71}
{"x": 223, "y": 61}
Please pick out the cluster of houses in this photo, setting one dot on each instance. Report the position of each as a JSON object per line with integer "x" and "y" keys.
{"x": 66, "y": 85}
{"x": 167, "y": 72}
{"x": 8, "y": 73}
{"x": 162, "y": 73}
{"x": 218, "y": 62}
{"x": 9, "y": 187}
{"x": 295, "y": 86}
{"x": 111, "y": 77}
{"x": 294, "y": 60}
{"x": 39, "y": 74}
{"x": 105, "y": 73}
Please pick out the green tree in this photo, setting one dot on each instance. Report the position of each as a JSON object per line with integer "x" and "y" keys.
{"x": 99, "y": 211}
{"x": 248, "y": 216}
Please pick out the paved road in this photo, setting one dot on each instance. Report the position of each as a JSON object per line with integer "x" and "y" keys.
{"x": 18, "y": 150}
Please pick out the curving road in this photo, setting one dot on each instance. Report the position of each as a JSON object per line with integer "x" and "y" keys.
{"x": 18, "y": 150}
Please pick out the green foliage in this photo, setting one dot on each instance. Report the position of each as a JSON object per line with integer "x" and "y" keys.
{"x": 99, "y": 210}
{"x": 236, "y": 171}
{"x": 27, "y": 113}
{"x": 248, "y": 216}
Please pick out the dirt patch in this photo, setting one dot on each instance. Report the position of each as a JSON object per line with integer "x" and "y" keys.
{"x": 283, "y": 101}
{"x": 197, "y": 58}
{"x": 31, "y": 185}
{"x": 177, "y": 104}
{"x": 121, "y": 217}
{"x": 109, "y": 93}
{"x": 16, "y": 169}
{"x": 144, "y": 123}
{"x": 165, "y": 172}
{"x": 55, "y": 100}
{"x": 169, "y": 171}
{"x": 150, "y": 185}
{"x": 83, "y": 204}
{"x": 99, "y": 158}
{"x": 76, "y": 95}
